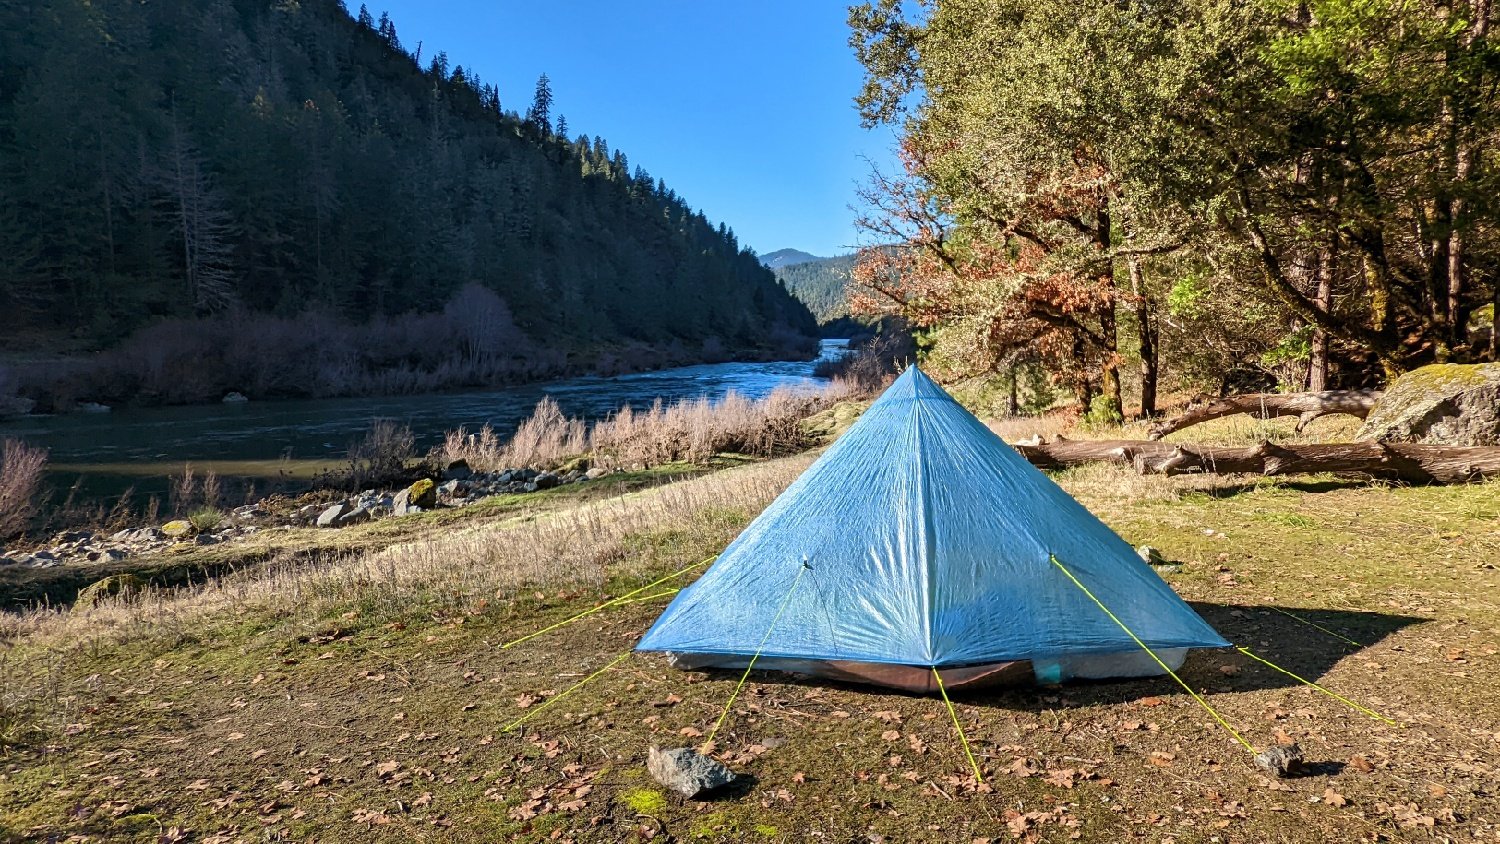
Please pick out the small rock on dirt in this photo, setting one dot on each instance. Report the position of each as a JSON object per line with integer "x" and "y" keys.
{"x": 177, "y": 529}
{"x": 1283, "y": 760}
{"x": 687, "y": 771}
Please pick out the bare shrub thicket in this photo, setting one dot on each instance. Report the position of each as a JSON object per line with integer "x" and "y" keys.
{"x": 690, "y": 430}
{"x": 382, "y": 456}
{"x": 21, "y": 469}
{"x": 872, "y": 365}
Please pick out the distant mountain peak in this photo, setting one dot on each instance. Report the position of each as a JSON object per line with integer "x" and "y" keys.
{"x": 787, "y": 258}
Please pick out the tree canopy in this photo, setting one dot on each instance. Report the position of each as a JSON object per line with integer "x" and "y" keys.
{"x": 1305, "y": 187}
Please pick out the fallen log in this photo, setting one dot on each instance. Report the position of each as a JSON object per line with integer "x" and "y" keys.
{"x": 1305, "y": 406}
{"x": 1405, "y": 462}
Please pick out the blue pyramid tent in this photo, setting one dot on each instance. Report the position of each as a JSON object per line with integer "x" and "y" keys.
{"x": 924, "y": 541}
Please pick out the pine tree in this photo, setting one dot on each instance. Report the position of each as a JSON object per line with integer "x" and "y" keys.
{"x": 364, "y": 17}
{"x": 540, "y": 113}
{"x": 562, "y": 126}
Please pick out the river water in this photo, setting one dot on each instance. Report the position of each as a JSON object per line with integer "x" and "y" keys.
{"x": 269, "y": 443}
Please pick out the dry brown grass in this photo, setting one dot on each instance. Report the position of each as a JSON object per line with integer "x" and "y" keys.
{"x": 21, "y": 468}
{"x": 692, "y": 430}
{"x": 584, "y": 545}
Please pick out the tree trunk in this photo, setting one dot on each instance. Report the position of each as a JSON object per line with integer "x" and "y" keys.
{"x": 1148, "y": 337}
{"x": 1317, "y": 370}
{"x": 1109, "y": 372}
{"x": 1013, "y": 406}
{"x": 1306, "y": 406}
{"x": 1407, "y": 462}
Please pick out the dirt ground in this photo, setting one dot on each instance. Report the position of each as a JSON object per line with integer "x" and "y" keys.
{"x": 366, "y": 724}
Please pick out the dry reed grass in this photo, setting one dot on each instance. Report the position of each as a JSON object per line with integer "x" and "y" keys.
{"x": 692, "y": 430}
{"x": 21, "y": 468}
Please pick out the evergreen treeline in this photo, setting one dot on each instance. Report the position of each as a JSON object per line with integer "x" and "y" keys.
{"x": 821, "y": 284}
{"x": 185, "y": 161}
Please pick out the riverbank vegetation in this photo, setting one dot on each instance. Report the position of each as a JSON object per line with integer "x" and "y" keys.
{"x": 285, "y": 200}
{"x": 1209, "y": 195}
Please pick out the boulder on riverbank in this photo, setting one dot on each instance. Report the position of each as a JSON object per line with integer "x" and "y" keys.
{"x": 116, "y": 584}
{"x": 1442, "y": 404}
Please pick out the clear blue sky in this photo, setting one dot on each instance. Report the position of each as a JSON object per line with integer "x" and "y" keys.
{"x": 746, "y": 109}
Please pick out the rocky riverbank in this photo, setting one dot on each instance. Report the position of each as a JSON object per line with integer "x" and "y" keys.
{"x": 458, "y": 486}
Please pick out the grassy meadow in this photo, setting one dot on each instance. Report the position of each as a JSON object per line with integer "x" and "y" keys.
{"x": 362, "y": 693}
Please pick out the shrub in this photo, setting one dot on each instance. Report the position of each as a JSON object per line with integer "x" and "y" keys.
{"x": 21, "y": 468}
{"x": 382, "y": 456}
{"x": 205, "y": 519}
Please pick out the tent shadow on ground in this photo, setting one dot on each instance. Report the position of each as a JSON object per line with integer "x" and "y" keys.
{"x": 1294, "y": 645}
{"x": 1282, "y": 482}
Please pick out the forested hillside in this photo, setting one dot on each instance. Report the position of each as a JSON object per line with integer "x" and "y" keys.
{"x": 820, "y": 283}
{"x": 238, "y": 161}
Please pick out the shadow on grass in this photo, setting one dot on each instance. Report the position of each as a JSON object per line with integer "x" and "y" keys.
{"x": 1272, "y": 632}
{"x": 1312, "y": 486}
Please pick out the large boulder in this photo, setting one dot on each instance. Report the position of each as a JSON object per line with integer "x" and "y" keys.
{"x": 116, "y": 584}
{"x": 1442, "y": 404}
{"x": 422, "y": 494}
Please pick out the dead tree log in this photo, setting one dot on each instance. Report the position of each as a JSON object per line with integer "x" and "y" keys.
{"x": 1405, "y": 462}
{"x": 1305, "y": 406}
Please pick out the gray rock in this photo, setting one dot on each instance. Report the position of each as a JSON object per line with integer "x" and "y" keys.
{"x": 207, "y": 539}
{"x": 235, "y": 398}
{"x": 546, "y": 480}
{"x": 1441, "y": 404}
{"x": 93, "y": 407}
{"x": 687, "y": 771}
{"x": 44, "y": 555}
{"x": 595, "y": 473}
{"x": 529, "y": 486}
{"x": 1282, "y": 760}
{"x": 458, "y": 470}
{"x": 401, "y": 504}
{"x": 331, "y": 515}
{"x": 8, "y": 561}
{"x": 1151, "y": 556}
{"x": 505, "y": 477}
{"x": 355, "y": 516}
{"x": 452, "y": 488}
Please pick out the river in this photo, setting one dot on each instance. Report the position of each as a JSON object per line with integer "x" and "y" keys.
{"x": 271, "y": 444}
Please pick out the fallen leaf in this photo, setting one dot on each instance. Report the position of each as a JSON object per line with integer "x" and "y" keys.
{"x": 891, "y": 735}
{"x": 1151, "y": 700}
{"x": 1361, "y": 764}
{"x": 1333, "y": 798}
{"x": 387, "y": 768}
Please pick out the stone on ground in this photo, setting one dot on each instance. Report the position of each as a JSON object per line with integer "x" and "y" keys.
{"x": 330, "y": 516}
{"x": 116, "y": 584}
{"x": 687, "y": 771}
{"x": 177, "y": 529}
{"x": 1283, "y": 760}
{"x": 422, "y": 494}
{"x": 1442, "y": 404}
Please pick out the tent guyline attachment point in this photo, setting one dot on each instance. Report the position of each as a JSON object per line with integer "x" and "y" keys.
{"x": 953, "y": 713}
{"x": 1116, "y": 619}
{"x": 1310, "y": 684}
{"x": 709, "y": 739}
{"x": 610, "y": 603}
{"x": 565, "y": 692}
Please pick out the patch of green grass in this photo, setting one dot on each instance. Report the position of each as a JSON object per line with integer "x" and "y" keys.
{"x": 645, "y": 801}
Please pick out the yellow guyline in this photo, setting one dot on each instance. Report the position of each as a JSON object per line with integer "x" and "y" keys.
{"x": 1318, "y": 626}
{"x": 620, "y": 600}
{"x": 766, "y": 638}
{"x": 963, "y": 739}
{"x": 1373, "y": 714}
{"x": 1116, "y": 619}
{"x": 564, "y": 693}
